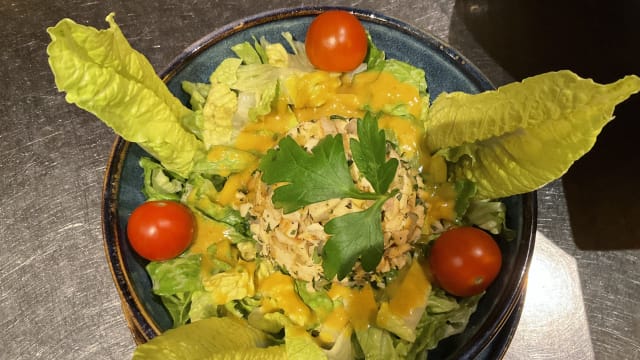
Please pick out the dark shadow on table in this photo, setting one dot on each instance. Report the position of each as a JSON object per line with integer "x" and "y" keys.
{"x": 595, "y": 39}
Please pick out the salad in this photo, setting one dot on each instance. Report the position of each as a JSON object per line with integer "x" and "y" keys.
{"x": 311, "y": 201}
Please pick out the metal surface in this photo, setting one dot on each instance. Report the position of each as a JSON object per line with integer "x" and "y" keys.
{"x": 57, "y": 299}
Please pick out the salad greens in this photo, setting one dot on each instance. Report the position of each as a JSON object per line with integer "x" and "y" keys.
{"x": 102, "y": 74}
{"x": 522, "y": 135}
{"x": 229, "y": 302}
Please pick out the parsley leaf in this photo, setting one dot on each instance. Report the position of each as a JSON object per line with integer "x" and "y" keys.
{"x": 370, "y": 154}
{"x": 312, "y": 177}
{"x": 354, "y": 236}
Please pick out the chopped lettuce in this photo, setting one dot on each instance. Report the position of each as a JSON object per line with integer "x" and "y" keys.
{"x": 408, "y": 299}
{"x": 198, "y": 93}
{"x": 465, "y": 191}
{"x": 488, "y": 215}
{"x": 103, "y": 74}
{"x": 225, "y": 160}
{"x": 445, "y": 316}
{"x": 178, "y": 275}
{"x": 218, "y": 112}
{"x": 318, "y": 300}
{"x": 175, "y": 281}
{"x": 159, "y": 183}
{"x": 248, "y": 54}
{"x": 300, "y": 345}
{"x": 376, "y": 344}
{"x": 233, "y": 284}
{"x": 375, "y": 57}
{"x": 200, "y": 194}
{"x": 525, "y": 134}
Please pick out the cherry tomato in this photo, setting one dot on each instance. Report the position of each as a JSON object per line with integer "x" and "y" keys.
{"x": 464, "y": 261}
{"x": 160, "y": 230}
{"x": 336, "y": 41}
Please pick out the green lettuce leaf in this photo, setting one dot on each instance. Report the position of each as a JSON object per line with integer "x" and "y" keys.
{"x": 178, "y": 275}
{"x": 200, "y": 195}
{"x": 445, "y": 316}
{"x": 198, "y": 93}
{"x": 407, "y": 73}
{"x": 375, "y": 58}
{"x": 213, "y": 338}
{"x": 175, "y": 281}
{"x": 488, "y": 215}
{"x": 526, "y": 133}
{"x": 160, "y": 184}
{"x": 218, "y": 112}
{"x": 376, "y": 344}
{"x": 318, "y": 300}
{"x": 103, "y": 74}
{"x": 178, "y": 305}
{"x": 247, "y": 53}
{"x": 300, "y": 345}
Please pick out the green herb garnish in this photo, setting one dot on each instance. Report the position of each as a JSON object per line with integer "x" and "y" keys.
{"x": 370, "y": 154}
{"x": 323, "y": 174}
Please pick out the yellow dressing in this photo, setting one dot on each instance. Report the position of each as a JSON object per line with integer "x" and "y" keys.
{"x": 441, "y": 203}
{"x": 360, "y": 304}
{"x": 381, "y": 89}
{"x": 408, "y": 133}
{"x": 412, "y": 292}
{"x": 209, "y": 232}
{"x": 315, "y": 95}
{"x": 235, "y": 183}
{"x": 278, "y": 292}
{"x": 362, "y": 307}
{"x": 264, "y": 133}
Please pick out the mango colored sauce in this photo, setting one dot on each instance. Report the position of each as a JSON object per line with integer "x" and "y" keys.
{"x": 209, "y": 233}
{"x": 321, "y": 94}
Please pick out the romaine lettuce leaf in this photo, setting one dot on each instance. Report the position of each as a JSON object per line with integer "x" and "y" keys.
{"x": 213, "y": 338}
{"x": 103, "y": 74}
{"x": 526, "y": 134}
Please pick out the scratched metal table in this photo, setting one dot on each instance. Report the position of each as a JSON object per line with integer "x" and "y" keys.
{"x": 57, "y": 299}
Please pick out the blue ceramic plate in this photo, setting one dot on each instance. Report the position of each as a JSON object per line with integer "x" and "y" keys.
{"x": 446, "y": 70}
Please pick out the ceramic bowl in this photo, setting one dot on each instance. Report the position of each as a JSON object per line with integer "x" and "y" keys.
{"x": 490, "y": 328}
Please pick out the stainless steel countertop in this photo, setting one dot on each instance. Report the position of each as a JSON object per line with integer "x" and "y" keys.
{"x": 57, "y": 299}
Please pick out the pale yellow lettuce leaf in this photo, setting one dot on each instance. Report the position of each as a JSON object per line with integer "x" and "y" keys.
{"x": 212, "y": 338}
{"x": 524, "y": 134}
{"x": 103, "y": 74}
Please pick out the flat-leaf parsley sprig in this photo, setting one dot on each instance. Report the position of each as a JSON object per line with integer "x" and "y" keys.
{"x": 323, "y": 174}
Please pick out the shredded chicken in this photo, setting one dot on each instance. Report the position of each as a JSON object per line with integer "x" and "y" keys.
{"x": 295, "y": 240}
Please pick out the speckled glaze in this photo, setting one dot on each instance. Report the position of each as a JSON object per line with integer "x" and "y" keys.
{"x": 491, "y": 327}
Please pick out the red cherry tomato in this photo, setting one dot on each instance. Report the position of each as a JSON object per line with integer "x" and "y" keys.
{"x": 160, "y": 230}
{"x": 336, "y": 41}
{"x": 465, "y": 261}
